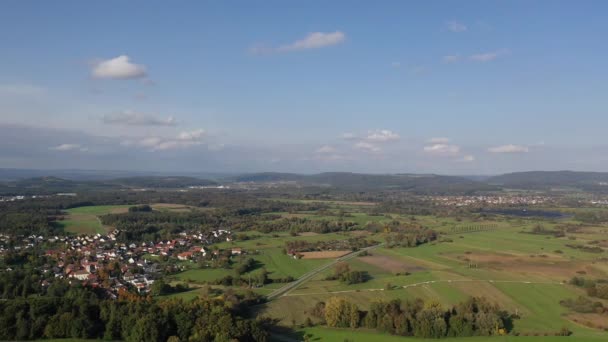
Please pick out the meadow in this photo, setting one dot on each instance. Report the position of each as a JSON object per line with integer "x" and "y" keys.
{"x": 525, "y": 273}
{"x": 85, "y": 220}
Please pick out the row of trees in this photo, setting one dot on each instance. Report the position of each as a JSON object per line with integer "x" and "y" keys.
{"x": 474, "y": 317}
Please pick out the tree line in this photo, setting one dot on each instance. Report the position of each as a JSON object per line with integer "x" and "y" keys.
{"x": 473, "y": 317}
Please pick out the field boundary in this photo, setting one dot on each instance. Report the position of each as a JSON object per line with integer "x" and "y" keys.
{"x": 430, "y": 282}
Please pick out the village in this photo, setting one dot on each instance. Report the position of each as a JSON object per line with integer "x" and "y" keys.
{"x": 104, "y": 262}
{"x": 463, "y": 201}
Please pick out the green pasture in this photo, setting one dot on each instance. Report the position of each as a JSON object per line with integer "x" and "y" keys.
{"x": 340, "y": 335}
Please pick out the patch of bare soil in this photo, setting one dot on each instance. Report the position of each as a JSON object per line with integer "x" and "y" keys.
{"x": 551, "y": 266}
{"x": 323, "y": 254}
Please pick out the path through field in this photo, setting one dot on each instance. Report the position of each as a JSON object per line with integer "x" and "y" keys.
{"x": 431, "y": 282}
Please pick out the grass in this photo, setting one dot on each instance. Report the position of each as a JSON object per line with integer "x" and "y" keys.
{"x": 201, "y": 275}
{"x": 339, "y": 335}
{"x": 85, "y": 220}
{"x": 537, "y": 303}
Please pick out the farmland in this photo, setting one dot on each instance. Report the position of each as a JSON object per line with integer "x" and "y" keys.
{"x": 498, "y": 258}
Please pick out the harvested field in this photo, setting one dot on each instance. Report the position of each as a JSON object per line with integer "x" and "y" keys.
{"x": 391, "y": 264}
{"x": 323, "y": 255}
{"x": 550, "y": 266}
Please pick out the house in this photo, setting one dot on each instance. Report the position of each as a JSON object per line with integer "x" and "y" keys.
{"x": 185, "y": 256}
{"x": 237, "y": 251}
{"x": 81, "y": 275}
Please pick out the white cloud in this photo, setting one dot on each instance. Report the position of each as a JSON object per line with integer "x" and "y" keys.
{"x": 439, "y": 140}
{"x": 314, "y": 40}
{"x": 182, "y": 140}
{"x": 488, "y": 56}
{"x": 381, "y": 135}
{"x": 365, "y": 146}
{"x": 468, "y": 158}
{"x": 326, "y": 149}
{"x": 451, "y": 58}
{"x": 442, "y": 149}
{"x": 119, "y": 68}
{"x": 456, "y": 26}
{"x": 130, "y": 118}
{"x": 69, "y": 147}
{"x": 510, "y": 148}
{"x": 191, "y": 136}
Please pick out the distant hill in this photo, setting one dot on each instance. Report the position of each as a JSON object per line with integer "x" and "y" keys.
{"x": 52, "y": 185}
{"x": 421, "y": 183}
{"x": 7, "y": 174}
{"x": 590, "y": 181}
{"x": 160, "y": 182}
{"x": 267, "y": 177}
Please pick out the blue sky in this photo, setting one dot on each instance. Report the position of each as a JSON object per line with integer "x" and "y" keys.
{"x": 451, "y": 87}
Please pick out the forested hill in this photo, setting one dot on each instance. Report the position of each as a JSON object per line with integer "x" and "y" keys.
{"x": 591, "y": 181}
{"x": 51, "y": 185}
{"x": 412, "y": 182}
{"x": 160, "y": 182}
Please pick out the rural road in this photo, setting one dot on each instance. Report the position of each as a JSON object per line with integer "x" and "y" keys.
{"x": 304, "y": 278}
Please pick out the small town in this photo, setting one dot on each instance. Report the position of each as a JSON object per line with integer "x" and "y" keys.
{"x": 101, "y": 261}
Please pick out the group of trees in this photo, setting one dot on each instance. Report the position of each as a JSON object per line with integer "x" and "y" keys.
{"x": 595, "y": 288}
{"x": 474, "y": 317}
{"x": 408, "y": 235}
{"x": 302, "y": 224}
{"x": 583, "y": 304}
{"x": 343, "y": 273}
{"x": 353, "y": 243}
{"x": 71, "y": 311}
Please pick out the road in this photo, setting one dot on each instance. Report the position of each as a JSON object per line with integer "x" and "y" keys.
{"x": 304, "y": 278}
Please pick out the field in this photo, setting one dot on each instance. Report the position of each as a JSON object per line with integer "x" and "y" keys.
{"x": 340, "y": 335}
{"x": 497, "y": 258}
{"x": 85, "y": 220}
{"x": 323, "y": 255}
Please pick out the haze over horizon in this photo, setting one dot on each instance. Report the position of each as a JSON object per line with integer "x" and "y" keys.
{"x": 460, "y": 88}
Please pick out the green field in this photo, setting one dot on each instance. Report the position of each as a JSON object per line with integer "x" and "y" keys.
{"x": 522, "y": 272}
{"x": 340, "y": 335}
{"x": 85, "y": 220}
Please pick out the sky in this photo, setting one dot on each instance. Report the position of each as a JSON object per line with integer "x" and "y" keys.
{"x": 447, "y": 87}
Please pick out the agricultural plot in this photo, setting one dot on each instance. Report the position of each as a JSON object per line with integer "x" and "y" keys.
{"x": 85, "y": 220}
{"x": 522, "y": 272}
{"x": 339, "y": 335}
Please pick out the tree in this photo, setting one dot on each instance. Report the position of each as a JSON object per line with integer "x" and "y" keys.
{"x": 341, "y": 313}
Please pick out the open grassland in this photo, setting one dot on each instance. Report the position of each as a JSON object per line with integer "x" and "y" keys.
{"x": 340, "y": 335}
{"x": 524, "y": 273}
{"x": 85, "y": 220}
